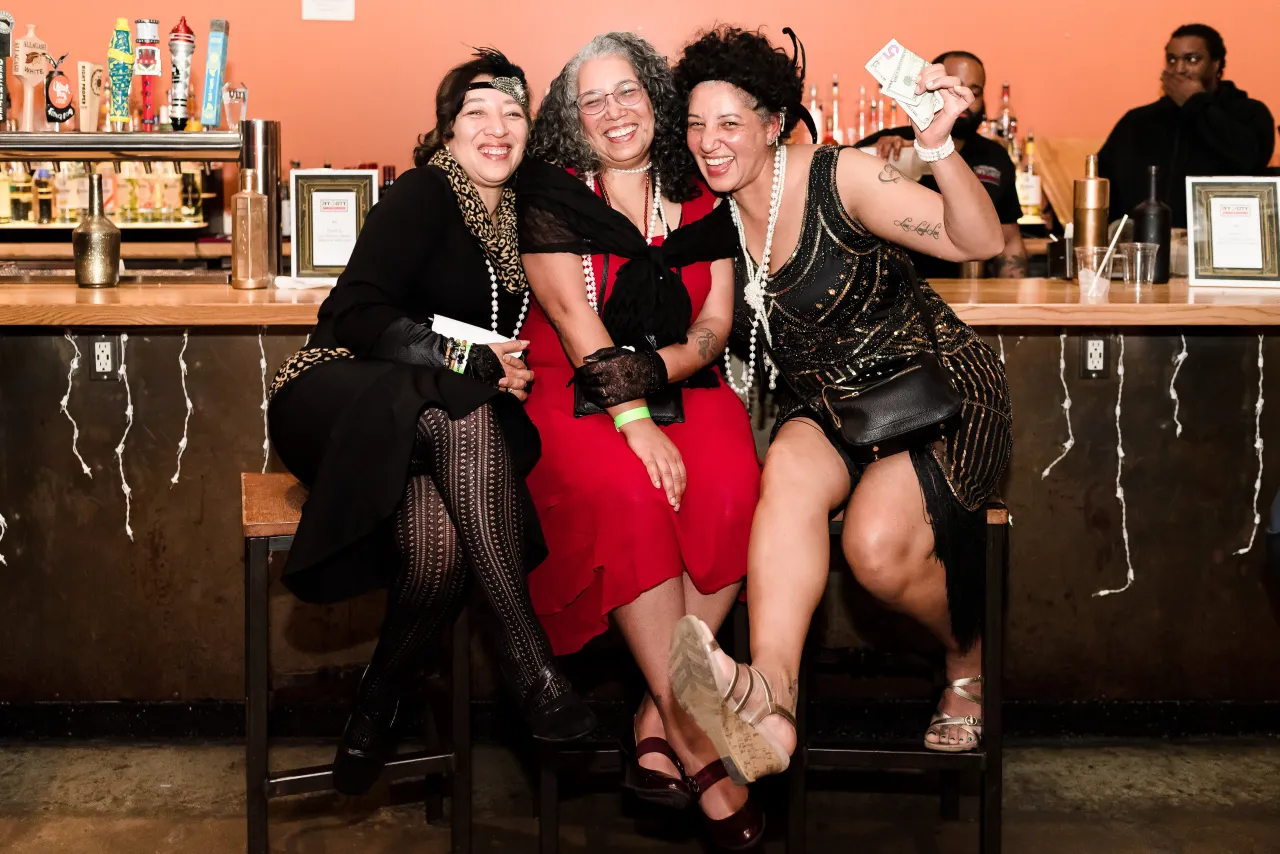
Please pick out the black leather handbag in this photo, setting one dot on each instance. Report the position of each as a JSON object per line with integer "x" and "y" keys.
{"x": 910, "y": 405}
{"x": 665, "y": 407}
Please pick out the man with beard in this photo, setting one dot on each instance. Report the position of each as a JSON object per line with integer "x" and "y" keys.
{"x": 1203, "y": 125}
{"x": 988, "y": 160}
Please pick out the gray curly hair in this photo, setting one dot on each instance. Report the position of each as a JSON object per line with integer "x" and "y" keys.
{"x": 557, "y": 134}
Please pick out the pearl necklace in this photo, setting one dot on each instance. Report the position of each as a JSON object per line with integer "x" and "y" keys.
{"x": 635, "y": 171}
{"x": 657, "y": 211}
{"x": 754, "y": 292}
{"x": 493, "y": 292}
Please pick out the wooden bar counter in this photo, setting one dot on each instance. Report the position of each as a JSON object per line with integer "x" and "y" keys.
{"x": 979, "y": 302}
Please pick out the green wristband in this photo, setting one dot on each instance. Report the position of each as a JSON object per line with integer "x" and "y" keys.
{"x": 631, "y": 415}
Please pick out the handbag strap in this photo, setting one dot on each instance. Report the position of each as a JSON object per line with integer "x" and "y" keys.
{"x": 926, "y": 312}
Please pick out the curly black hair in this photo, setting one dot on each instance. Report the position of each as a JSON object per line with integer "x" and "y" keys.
{"x": 557, "y": 135}
{"x": 451, "y": 92}
{"x": 1212, "y": 41}
{"x": 749, "y": 61}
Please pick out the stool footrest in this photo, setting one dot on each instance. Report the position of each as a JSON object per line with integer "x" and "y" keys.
{"x": 921, "y": 758}
{"x": 319, "y": 778}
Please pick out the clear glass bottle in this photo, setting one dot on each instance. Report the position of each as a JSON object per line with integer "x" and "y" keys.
{"x": 1027, "y": 182}
{"x": 192, "y": 206}
{"x": 6, "y": 205}
{"x": 1007, "y": 121}
{"x": 20, "y": 194}
{"x": 44, "y": 201}
{"x": 249, "y": 253}
{"x": 837, "y": 133}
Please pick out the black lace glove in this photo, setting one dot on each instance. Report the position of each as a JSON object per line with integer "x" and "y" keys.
{"x": 412, "y": 343}
{"x": 612, "y": 376}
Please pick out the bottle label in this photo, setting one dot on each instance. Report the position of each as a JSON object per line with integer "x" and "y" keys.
{"x": 1028, "y": 187}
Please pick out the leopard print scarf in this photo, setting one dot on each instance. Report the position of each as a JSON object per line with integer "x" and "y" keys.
{"x": 499, "y": 242}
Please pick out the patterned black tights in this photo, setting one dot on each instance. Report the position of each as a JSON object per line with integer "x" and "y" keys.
{"x": 460, "y": 511}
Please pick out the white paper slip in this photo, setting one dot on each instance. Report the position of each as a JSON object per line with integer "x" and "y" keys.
{"x": 287, "y": 283}
{"x": 451, "y": 328}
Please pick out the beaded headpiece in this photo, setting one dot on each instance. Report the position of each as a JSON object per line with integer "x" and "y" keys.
{"x": 507, "y": 77}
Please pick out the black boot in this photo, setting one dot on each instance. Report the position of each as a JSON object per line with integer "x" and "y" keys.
{"x": 366, "y": 746}
{"x": 564, "y": 718}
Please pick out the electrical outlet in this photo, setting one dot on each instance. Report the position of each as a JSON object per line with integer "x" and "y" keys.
{"x": 1095, "y": 357}
{"x": 104, "y": 356}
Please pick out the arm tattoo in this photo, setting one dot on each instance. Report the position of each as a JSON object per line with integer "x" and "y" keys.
{"x": 890, "y": 174}
{"x": 1009, "y": 267}
{"x": 924, "y": 228}
{"x": 707, "y": 342}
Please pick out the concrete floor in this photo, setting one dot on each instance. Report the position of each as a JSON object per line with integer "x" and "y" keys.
{"x": 142, "y": 799}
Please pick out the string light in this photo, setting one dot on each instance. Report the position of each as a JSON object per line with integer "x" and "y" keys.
{"x": 1124, "y": 508}
{"x": 75, "y": 428}
{"x": 1066, "y": 405}
{"x": 123, "y": 374}
{"x": 1257, "y": 444}
{"x": 182, "y": 444}
{"x": 262, "y": 367}
{"x": 1173, "y": 393}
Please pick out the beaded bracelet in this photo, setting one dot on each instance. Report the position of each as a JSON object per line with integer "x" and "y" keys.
{"x": 631, "y": 415}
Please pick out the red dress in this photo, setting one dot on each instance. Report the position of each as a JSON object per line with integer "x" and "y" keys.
{"x": 610, "y": 534}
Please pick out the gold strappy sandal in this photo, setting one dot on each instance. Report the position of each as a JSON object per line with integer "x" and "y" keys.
{"x": 748, "y": 753}
{"x": 969, "y": 726}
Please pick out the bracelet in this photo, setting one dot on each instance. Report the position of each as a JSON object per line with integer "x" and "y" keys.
{"x": 631, "y": 415}
{"x": 932, "y": 155}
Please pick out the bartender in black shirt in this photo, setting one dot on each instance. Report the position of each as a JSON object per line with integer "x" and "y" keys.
{"x": 988, "y": 160}
{"x": 1203, "y": 125}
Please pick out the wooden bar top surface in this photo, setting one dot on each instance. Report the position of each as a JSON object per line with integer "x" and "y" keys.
{"x": 158, "y": 250}
{"x": 979, "y": 302}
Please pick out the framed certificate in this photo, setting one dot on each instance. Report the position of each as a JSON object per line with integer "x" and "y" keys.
{"x": 329, "y": 209}
{"x": 1233, "y": 231}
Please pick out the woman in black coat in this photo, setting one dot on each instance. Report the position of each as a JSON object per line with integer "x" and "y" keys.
{"x": 414, "y": 445}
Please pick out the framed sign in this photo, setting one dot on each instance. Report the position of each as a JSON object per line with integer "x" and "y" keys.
{"x": 329, "y": 209}
{"x": 1233, "y": 231}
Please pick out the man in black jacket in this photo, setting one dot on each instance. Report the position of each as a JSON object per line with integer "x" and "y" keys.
{"x": 1203, "y": 125}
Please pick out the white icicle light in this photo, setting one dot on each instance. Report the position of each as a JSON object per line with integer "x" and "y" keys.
{"x": 123, "y": 374}
{"x": 1173, "y": 393}
{"x": 1066, "y": 405}
{"x": 182, "y": 444}
{"x": 1124, "y": 508}
{"x": 4, "y": 526}
{"x": 66, "y": 398}
{"x": 1257, "y": 444}
{"x": 262, "y": 367}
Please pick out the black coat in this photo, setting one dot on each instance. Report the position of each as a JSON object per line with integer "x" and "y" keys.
{"x": 1224, "y": 132}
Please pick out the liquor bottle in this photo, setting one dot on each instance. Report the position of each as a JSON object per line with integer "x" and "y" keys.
{"x": 871, "y": 124}
{"x": 286, "y": 201}
{"x": 880, "y": 116}
{"x": 1152, "y": 220}
{"x": 893, "y": 114}
{"x": 836, "y": 134}
{"x": 96, "y": 244}
{"x": 815, "y": 110}
{"x": 192, "y": 208}
{"x": 170, "y": 193}
{"x": 249, "y": 258}
{"x": 388, "y": 177}
{"x": 1007, "y": 121}
{"x": 44, "y": 196}
{"x": 6, "y": 204}
{"x": 20, "y": 194}
{"x": 862, "y": 114}
{"x": 63, "y": 178}
{"x": 1027, "y": 182}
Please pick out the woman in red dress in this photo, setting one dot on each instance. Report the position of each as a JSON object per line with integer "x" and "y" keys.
{"x": 644, "y": 522}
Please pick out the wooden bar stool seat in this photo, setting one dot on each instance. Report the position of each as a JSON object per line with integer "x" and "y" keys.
{"x": 271, "y": 506}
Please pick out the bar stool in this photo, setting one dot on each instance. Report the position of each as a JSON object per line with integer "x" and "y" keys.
{"x": 271, "y": 505}
{"x": 986, "y": 760}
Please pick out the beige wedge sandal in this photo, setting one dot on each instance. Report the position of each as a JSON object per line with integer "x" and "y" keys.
{"x": 748, "y": 753}
{"x": 970, "y": 727}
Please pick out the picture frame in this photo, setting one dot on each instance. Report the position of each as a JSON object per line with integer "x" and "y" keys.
{"x": 330, "y": 207}
{"x": 1233, "y": 236}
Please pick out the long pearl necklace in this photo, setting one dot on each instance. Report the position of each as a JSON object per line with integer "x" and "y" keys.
{"x": 754, "y": 292}
{"x": 493, "y": 292}
{"x": 655, "y": 213}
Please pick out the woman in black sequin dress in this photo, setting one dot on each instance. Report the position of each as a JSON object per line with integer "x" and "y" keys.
{"x": 829, "y": 226}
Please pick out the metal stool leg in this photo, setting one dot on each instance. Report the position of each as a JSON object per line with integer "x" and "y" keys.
{"x": 460, "y": 676}
{"x": 992, "y": 788}
{"x": 257, "y": 679}
{"x": 797, "y": 779}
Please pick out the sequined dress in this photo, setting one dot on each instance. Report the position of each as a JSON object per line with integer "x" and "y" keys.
{"x": 837, "y": 310}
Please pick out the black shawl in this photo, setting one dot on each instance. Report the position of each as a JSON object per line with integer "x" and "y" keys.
{"x": 649, "y": 303}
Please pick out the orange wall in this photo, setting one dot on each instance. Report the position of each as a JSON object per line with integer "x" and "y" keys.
{"x": 360, "y": 91}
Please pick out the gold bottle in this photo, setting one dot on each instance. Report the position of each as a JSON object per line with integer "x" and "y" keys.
{"x": 1092, "y": 205}
{"x": 249, "y": 254}
{"x": 96, "y": 244}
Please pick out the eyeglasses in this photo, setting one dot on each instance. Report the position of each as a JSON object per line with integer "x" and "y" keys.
{"x": 628, "y": 94}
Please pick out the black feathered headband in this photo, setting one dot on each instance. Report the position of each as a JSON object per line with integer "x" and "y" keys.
{"x": 507, "y": 77}
{"x": 800, "y": 62}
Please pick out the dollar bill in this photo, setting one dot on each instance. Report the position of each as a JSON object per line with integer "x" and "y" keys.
{"x": 921, "y": 113}
{"x": 898, "y": 71}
